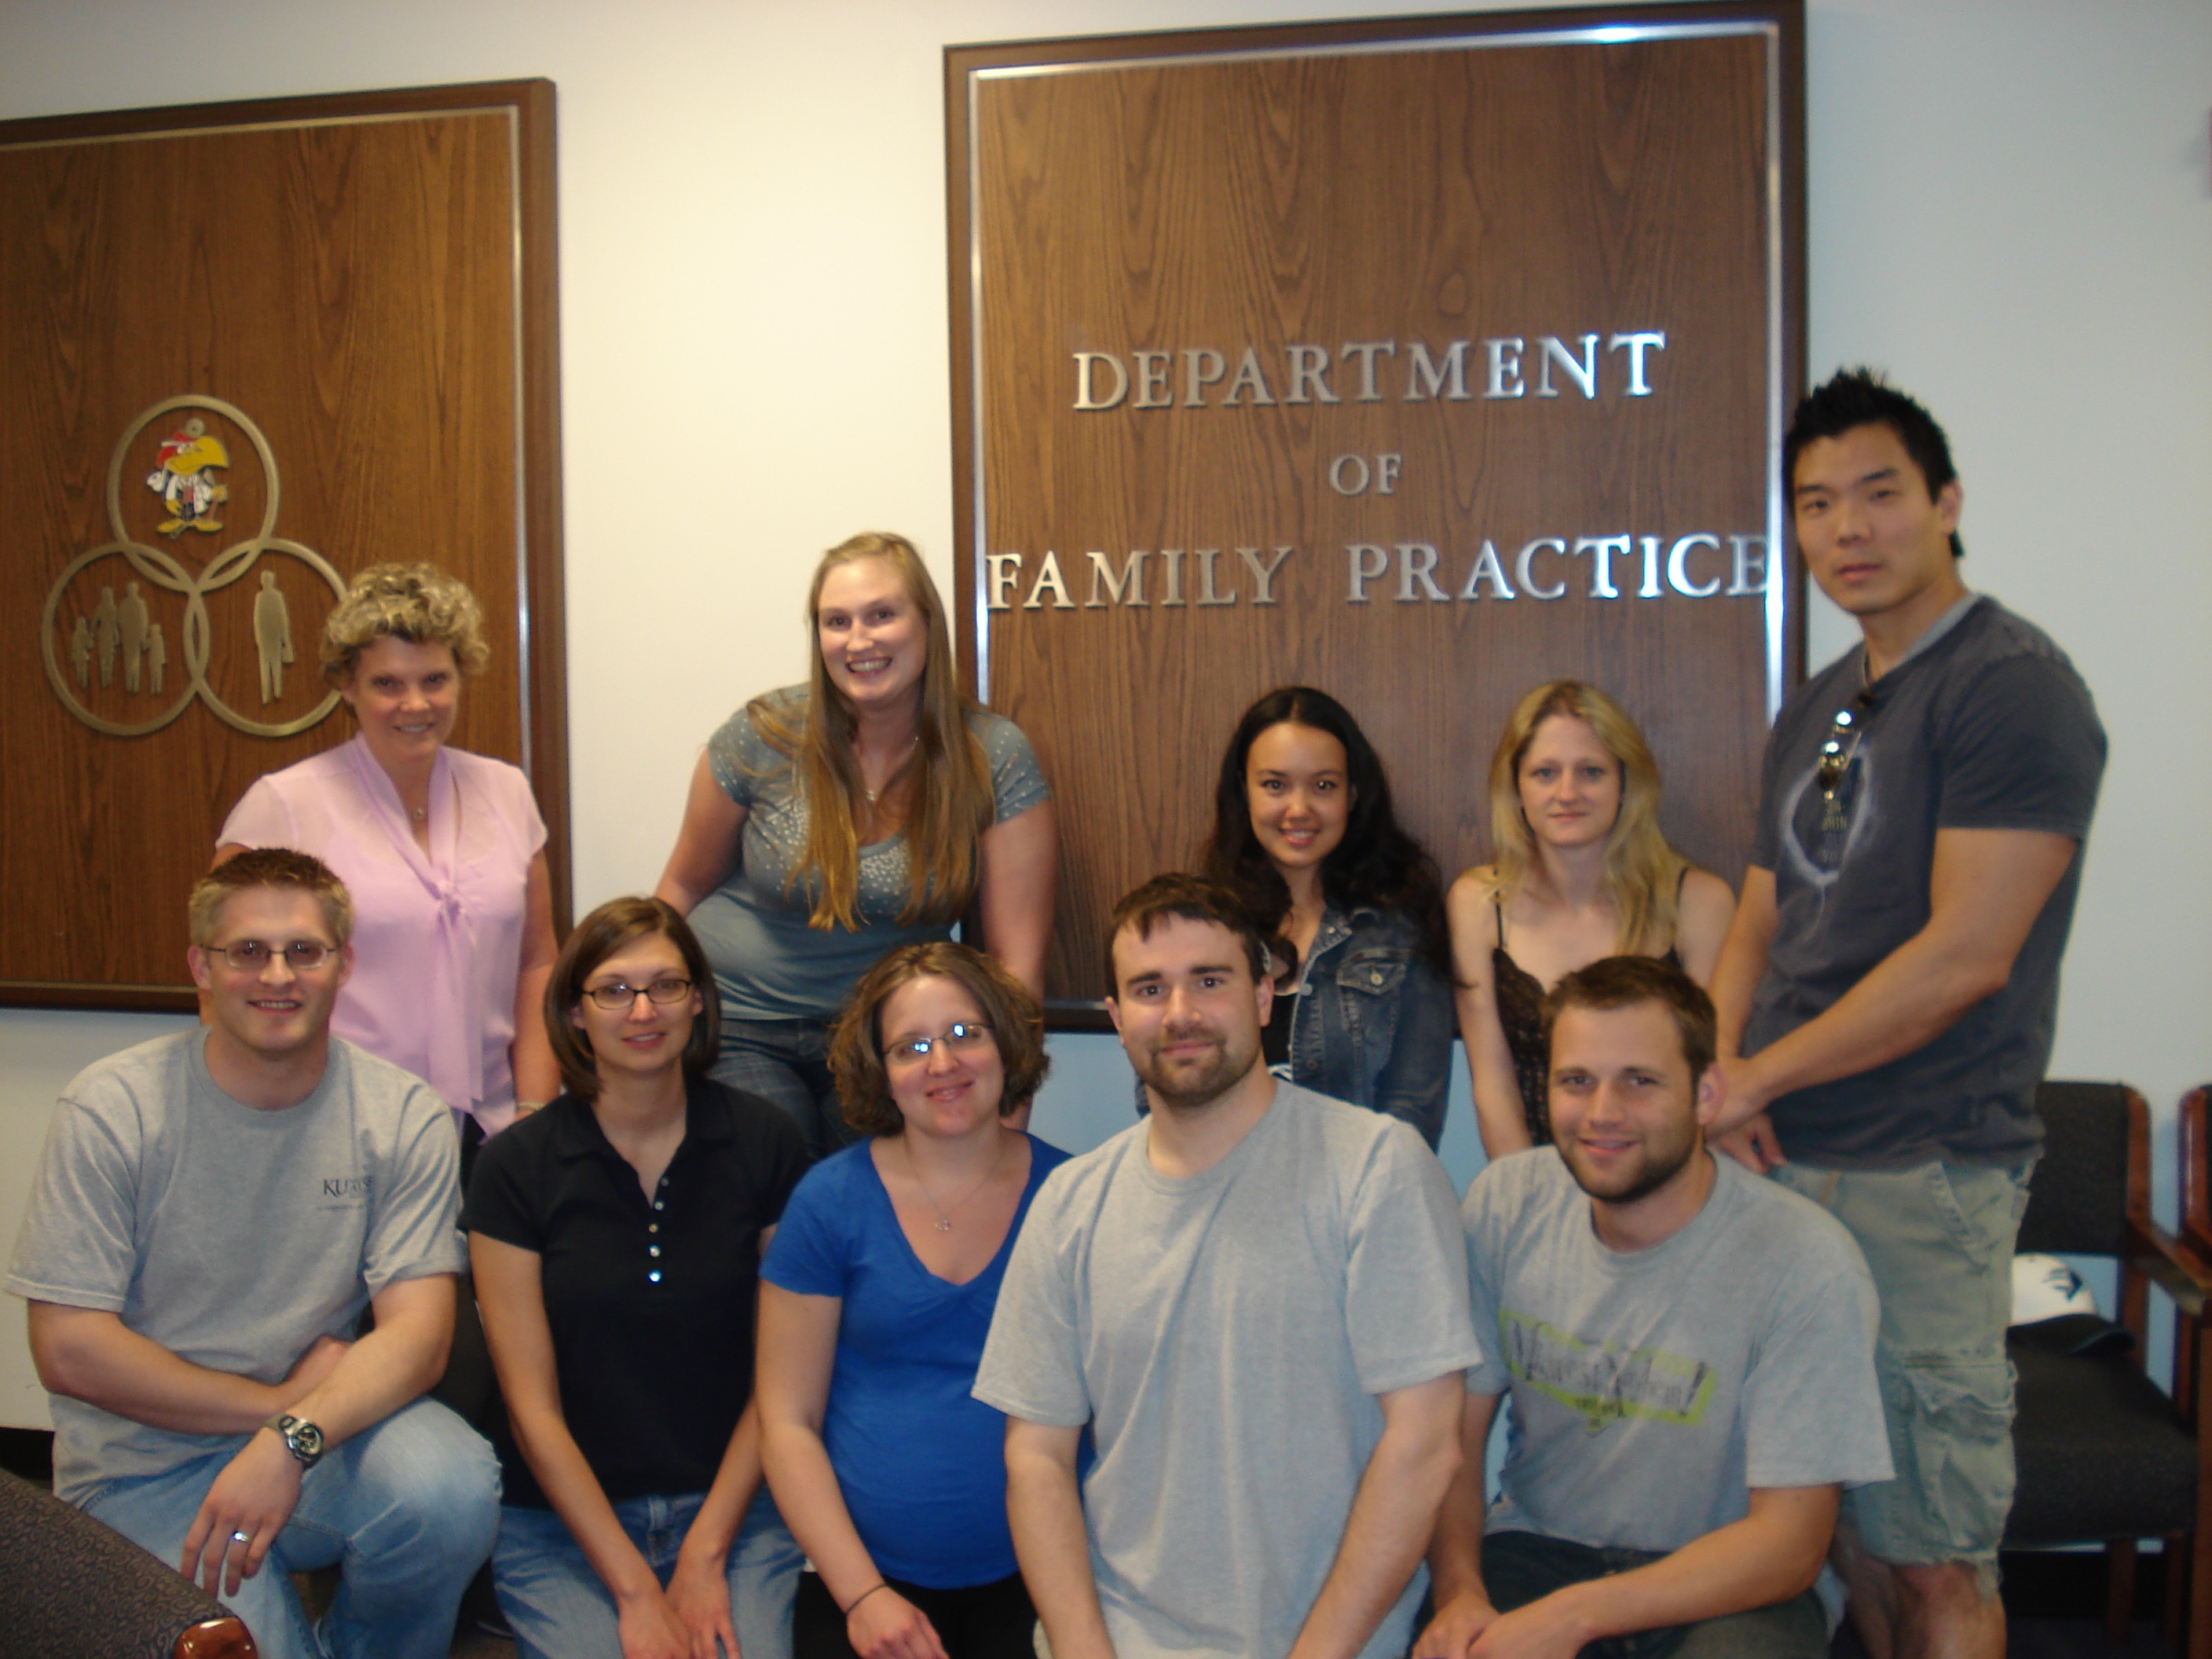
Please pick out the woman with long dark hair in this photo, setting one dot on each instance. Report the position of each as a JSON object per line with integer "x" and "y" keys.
{"x": 1304, "y": 832}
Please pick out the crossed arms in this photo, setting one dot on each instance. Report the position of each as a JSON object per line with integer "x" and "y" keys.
{"x": 343, "y": 1388}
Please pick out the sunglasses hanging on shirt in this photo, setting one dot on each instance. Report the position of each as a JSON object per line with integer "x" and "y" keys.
{"x": 1837, "y": 755}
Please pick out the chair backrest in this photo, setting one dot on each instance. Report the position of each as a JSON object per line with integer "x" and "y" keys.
{"x": 69, "y": 1585}
{"x": 2094, "y": 1165}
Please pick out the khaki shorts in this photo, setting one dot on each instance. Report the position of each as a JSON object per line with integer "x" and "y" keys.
{"x": 1938, "y": 1239}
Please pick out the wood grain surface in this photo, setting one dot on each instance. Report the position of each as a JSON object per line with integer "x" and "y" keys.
{"x": 1266, "y": 189}
{"x": 343, "y": 272}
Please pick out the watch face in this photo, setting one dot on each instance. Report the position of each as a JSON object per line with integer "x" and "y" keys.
{"x": 306, "y": 1441}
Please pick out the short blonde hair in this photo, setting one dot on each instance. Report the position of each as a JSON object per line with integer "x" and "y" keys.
{"x": 417, "y": 603}
{"x": 268, "y": 867}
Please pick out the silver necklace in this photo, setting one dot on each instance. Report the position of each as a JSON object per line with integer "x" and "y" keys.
{"x": 895, "y": 771}
{"x": 944, "y": 1211}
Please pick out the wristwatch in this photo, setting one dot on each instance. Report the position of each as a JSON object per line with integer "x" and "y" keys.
{"x": 301, "y": 1438}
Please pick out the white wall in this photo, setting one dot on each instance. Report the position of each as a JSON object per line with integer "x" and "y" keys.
{"x": 2011, "y": 208}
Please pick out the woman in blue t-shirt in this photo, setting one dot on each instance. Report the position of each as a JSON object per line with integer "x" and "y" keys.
{"x": 876, "y": 1297}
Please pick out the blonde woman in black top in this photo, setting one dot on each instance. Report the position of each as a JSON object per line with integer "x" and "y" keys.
{"x": 1579, "y": 872}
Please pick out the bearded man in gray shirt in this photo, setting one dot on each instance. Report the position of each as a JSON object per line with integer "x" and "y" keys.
{"x": 1690, "y": 1351}
{"x": 1256, "y": 1300}
{"x": 211, "y": 1214}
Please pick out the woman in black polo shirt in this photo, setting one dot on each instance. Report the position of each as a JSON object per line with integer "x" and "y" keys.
{"x": 615, "y": 1237}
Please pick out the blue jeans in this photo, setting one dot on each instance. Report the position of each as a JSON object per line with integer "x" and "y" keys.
{"x": 1521, "y": 1567}
{"x": 406, "y": 1510}
{"x": 559, "y": 1607}
{"x": 786, "y": 1062}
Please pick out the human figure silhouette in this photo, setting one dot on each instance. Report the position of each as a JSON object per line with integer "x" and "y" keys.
{"x": 134, "y": 618}
{"x": 272, "y": 636}
{"x": 80, "y": 653}
{"x": 105, "y": 634}
{"x": 157, "y": 658}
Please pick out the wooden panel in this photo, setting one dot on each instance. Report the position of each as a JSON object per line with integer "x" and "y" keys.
{"x": 1299, "y": 192}
{"x": 329, "y": 288}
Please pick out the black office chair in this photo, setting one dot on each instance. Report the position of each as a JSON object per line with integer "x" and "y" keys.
{"x": 2105, "y": 1455}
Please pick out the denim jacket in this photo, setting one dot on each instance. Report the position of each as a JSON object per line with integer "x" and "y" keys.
{"x": 1375, "y": 1022}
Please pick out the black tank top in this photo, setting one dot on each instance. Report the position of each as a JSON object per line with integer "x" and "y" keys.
{"x": 1520, "y": 1001}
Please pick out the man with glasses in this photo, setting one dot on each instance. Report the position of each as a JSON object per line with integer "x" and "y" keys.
{"x": 211, "y": 1214}
{"x": 1255, "y": 1301}
{"x": 1889, "y": 989}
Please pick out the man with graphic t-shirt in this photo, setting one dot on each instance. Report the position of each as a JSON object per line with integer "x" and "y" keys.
{"x": 1888, "y": 991}
{"x": 1690, "y": 1350}
{"x": 211, "y": 1214}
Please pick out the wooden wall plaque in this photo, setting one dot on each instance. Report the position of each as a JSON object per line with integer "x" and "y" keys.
{"x": 250, "y": 348}
{"x": 1422, "y": 360}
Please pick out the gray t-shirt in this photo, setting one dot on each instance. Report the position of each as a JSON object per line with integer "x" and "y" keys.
{"x": 1652, "y": 1389}
{"x": 1988, "y": 728}
{"x": 1224, "y": 1335}
{"x": 232, "y": 1237}
{"x": 769, "y": 963}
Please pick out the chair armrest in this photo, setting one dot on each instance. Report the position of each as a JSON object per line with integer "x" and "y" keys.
{"x": 218, "y": 1638}
{"x": 2172, "y": 1266}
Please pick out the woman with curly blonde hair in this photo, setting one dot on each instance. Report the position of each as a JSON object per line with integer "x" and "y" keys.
{"x": 1579, "y": 871}
{"x": 830, "y": 822}
{"x": 443, "y": 852}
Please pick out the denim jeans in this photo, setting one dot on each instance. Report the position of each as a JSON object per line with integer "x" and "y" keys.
{"x": 1521, "y": 1567}
{"x": 406, "y": 1510}
{"x": 785, "y": 1061}
{"x": 560, "y": 1608}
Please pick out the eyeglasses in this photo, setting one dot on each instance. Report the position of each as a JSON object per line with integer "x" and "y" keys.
{"x": 249, "y": 955}
{"x": 619, "y": 995}
{"x": 965, "y": 1037}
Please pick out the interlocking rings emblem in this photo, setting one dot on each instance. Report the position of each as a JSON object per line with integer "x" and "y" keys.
{"x": 165, "y": 571}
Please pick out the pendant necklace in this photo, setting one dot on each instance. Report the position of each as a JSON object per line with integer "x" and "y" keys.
{"x": 901, "y": 766}
{"x": 944, "y": 1211}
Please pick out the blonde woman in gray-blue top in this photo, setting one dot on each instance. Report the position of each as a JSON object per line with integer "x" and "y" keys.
{"x": 830, "y": 822}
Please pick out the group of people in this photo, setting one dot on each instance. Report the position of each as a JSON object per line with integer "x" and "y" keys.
{"x": 806, "y": 1345}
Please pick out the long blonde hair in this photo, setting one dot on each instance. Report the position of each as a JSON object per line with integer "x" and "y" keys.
{"x": 952, "y": 802}
{"x": 1643, "y": 873}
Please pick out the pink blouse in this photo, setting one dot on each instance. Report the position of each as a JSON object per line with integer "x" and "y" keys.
{"x": 437, "y": 939}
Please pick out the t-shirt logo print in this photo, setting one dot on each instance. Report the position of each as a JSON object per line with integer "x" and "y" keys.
{"x": 1603, "y": 1381}
{"x": 345, "y": 1186}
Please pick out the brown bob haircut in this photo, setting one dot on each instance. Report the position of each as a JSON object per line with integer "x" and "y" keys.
{"x": 615, "y": 924}
{"x": 1192, "y": 898}
{"x": 268, "y": 867}
{"x": 1622, "y": 982}
{"x": 856, "y": 1041}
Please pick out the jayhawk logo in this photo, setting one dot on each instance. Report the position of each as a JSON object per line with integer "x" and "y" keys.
{"x": 185, "y": 480}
